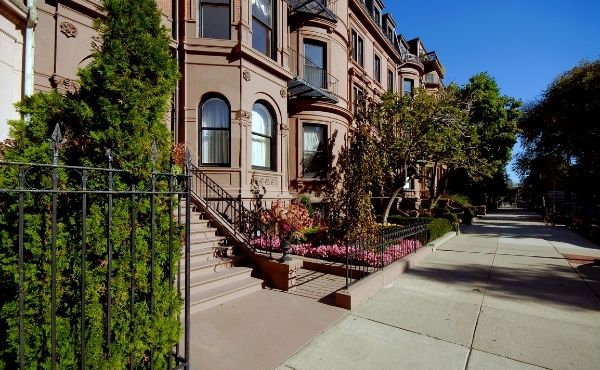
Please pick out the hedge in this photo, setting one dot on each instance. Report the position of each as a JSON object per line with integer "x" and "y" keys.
{"x": 438, "y": 228}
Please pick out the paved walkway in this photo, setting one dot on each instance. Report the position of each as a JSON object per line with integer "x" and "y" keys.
{"x": 500, "y": 296}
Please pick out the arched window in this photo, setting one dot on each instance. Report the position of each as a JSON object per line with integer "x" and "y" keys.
{"x": 214, "y": 19}
{"x": 263, "y": 137}
{"x": 215, "y": 132}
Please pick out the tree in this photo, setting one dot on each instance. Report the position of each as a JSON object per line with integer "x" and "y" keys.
{"x": 494, "y": 119}
{"x": 417, "y": 130}
{"x": 121, "y": 104}
{"x": 560, "y": 134}
{"x": 348, "y": 210}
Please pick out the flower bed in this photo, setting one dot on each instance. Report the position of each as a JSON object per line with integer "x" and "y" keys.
{"x": 337, "y": 252}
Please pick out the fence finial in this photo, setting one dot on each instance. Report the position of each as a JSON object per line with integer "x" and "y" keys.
{"x": 56, "y": 139}
{"x": 109, "y": 154}
{"x": 188, "y": 158}
{"x": 154, "y": 152}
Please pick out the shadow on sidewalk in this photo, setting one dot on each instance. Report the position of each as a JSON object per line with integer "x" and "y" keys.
{"x": 550, "y": 283}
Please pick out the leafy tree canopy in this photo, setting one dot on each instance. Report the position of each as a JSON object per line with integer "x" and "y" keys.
{"x": 560, "y": 133}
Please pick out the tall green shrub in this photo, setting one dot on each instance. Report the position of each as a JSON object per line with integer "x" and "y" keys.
{"x": 121, "y": 105}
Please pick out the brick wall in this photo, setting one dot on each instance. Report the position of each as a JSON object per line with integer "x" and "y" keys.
{"x": 165, "y": 7}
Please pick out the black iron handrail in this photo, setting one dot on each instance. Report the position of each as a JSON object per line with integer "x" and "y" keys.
{"x": 243, "y": 223}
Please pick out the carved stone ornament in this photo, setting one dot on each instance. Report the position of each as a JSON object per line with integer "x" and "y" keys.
{"x": 266, "y": 181}
{"x": 68, "y": 29}
{"x": 64, "y": 84}
{"x": 284, "y": 127}
{"x": 283, "y": 92}
{"x": 243, "y": 115}
{"x": 247, "y": 76}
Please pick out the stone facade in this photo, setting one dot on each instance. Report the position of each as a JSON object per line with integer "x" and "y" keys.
{"x": 290, "y": 67}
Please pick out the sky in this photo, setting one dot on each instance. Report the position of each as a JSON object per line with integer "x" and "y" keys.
{"x": 522, "y": 44}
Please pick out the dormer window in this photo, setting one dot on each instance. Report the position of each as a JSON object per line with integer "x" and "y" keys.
{"x": 377, "y": 16}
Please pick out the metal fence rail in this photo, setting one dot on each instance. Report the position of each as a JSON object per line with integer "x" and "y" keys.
{"x": 70, "y": 192}
{"x": 366, "y": 256}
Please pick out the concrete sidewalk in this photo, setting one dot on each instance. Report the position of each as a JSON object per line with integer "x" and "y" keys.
{"x": 500, "y": 296}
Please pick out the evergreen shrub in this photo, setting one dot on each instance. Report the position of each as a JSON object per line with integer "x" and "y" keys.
{"x": 438, "y": 228}
{"x": 121, "y": 104}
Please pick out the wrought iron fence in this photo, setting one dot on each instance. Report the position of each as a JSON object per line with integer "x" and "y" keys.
{"x": 369, "y": 255}
{"x": 77, "y": 202}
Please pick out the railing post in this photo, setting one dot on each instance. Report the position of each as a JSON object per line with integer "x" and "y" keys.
{"x": 188, "y": 166}
{"x": 154, "y": 151}
{"x": 109, "y": 155}
{"x": 83, "y": 264}
{"x": 56, "y": 140}
{"x": 21, "y": 271}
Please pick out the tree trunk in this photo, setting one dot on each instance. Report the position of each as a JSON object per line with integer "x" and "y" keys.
{"x": 439, "y": 189}
{"x": 386, "y": 213}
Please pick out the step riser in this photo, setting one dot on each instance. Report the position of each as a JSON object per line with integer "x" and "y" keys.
{"x": 202, "y": 238}
{"x": 220, "y": 282}
{"x": 207, "y": 254}
{"x": 202, "y": 244}
{"x": 198, "y": 307}
{"x": 209, "y": 269}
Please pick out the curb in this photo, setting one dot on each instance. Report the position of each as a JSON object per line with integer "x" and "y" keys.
{"x": 440, "y": 241}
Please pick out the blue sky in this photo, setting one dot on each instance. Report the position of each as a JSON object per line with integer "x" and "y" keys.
{"x": 523, "y": 44}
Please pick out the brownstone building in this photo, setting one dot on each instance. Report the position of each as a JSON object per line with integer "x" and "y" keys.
{"x": 265, "y": 83}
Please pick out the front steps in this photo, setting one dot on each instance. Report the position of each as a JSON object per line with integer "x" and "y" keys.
{"x": 214, "y": 277}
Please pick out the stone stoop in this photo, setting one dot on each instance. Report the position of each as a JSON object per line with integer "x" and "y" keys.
{"x": 214, "y": 276}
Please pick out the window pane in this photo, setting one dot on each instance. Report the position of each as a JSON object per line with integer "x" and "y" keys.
{"x": 215, "y": 146}
{"x": 315, "y": 52}
{"x": 214, "y": 21}
{"x": 214, "y": 132}
{"x": 261, "y": 151}
{"x": 215, "y": 113}
{"x": 314, "y": 151}
{"x": 261, "y": 37}
{"x": 261, "y": 120}
{"x": 408, "y": 86}
{"x": 262, "y": 136}
{"x": 263, "y": 9}
{"x": 360, "y": 51}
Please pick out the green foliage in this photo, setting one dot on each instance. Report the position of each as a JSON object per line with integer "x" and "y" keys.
{"x": 121, "y": 105}
{"x": 560, "y": 135}
{"x": 494, "y": 117}
{"x": 494, "y": 120}
{"x": 421, "y": 129}
{"x": 305, "y": 200}
{"x": 459, "y": 200}
{"x": 347, "y": 207}
{"x": 438, "y": 228}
